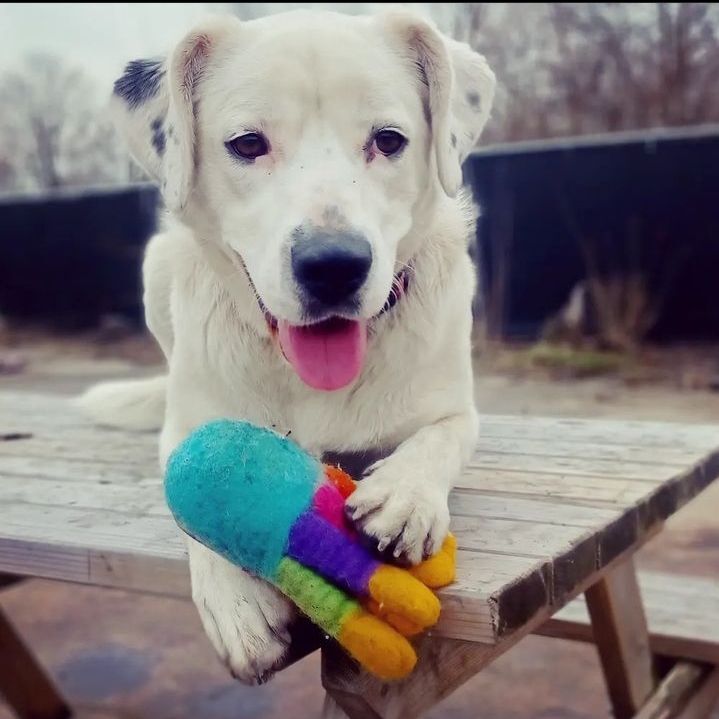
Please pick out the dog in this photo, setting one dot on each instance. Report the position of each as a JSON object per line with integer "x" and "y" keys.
{"x": 313, "y": 272}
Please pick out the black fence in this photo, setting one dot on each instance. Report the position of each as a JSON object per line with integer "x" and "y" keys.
{"x": 642, "y": 205}
{"x": 70, "y": 258}
{"x": 551, "y": 212}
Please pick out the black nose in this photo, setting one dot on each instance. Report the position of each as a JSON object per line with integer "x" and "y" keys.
{"x": 330, "y": 267}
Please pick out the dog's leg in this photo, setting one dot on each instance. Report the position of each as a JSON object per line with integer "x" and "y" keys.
{"x": 246, "y": 619}
{"x": 401, "y": 506}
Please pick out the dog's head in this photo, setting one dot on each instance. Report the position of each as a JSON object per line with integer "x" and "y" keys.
{"x": 309, "y": 145}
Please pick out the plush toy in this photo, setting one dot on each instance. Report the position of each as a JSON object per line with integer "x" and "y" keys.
{"x": 263, "y": 503}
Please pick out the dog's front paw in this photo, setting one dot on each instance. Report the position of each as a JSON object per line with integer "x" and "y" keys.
{"x": 406, "y": 520}
{"x": 248, "y": 627}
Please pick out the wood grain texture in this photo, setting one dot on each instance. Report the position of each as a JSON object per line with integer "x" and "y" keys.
{"x": 545, "y": 506}
{"x": 443, "y": 666}
{"x": 682, "y": 614}
{"x": 23, "y": 684}
{"x": 674, "y": 692}
{"x": 703, "y": 701}
{"x": 622, "y": 639}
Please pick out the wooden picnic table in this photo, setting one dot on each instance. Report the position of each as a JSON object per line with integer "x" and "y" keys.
{"x": 546, "y": 510}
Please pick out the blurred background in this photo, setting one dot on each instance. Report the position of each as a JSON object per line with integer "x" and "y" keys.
{"x": 597, "y": 256}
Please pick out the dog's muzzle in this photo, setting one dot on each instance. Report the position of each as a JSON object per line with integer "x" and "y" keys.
{"x": 330, "y": 269}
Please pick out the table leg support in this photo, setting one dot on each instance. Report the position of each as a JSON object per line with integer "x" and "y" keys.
{"x": 23, "y": 683}
{"x": 444, "y": 665}
{"x": 622, "y": 638}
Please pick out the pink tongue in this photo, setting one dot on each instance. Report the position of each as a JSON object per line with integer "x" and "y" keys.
{"x": 327, "y": 355}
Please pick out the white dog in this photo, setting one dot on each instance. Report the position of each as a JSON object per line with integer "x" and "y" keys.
{"x": 313, "y": 275}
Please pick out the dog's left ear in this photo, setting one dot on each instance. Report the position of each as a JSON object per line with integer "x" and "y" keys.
{"x": 458, "y": 85}
{"x": 154, "y": 107}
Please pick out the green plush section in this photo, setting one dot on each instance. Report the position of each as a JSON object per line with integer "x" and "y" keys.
{"x": 238, "y": 489}
{"x": 326, "y": 605}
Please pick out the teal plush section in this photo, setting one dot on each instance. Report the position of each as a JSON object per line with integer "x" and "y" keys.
{"x": 238, "y": 488}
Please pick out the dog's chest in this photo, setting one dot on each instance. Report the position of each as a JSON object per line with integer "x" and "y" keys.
{"x": 240, "y": 374}
{"x": 376, "y": 412}
{"x": 250, "y": 380}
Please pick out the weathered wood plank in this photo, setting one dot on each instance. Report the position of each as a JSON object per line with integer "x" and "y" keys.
{"x": 530, "y": 539}
{"x": 646, "y": 471}
{"x": 700, "y": 705}
{"x": 681, "y": 612}
{"x": 39, "y": 467}
{"x": 91, "y": 528}
{"x": 47, "y": 410}
{"x": 622, "y": 639}
{"x": 570, "y": 490}
{"x": 149, "y": 573}
{"x": 145, "y": 499}
{"x": 75, "y": 449}
{"x": 81, "y": 443}
{"x": 695, "y": 436}
{"x": 463, "y": 503}
{"x": 539, "y": 514}
{"x": 558, "y": 446}
{"x": 93, "y": 523}
{"x": 444, "y": 665}
{"x": 145, "y": 496}
{"x": 674, "y": 691}
{"x": 23, "y": 684}
{"x": 84, "y": 444}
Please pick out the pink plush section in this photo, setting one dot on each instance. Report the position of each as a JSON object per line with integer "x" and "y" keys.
{"x": 330, "y": 504}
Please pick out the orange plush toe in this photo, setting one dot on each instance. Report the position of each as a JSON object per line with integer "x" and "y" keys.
{"x": 440, "y": 569}
{"x": 344, "y": 483}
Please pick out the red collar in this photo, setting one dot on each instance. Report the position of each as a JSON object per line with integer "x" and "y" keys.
{"x": 400, "y": 285}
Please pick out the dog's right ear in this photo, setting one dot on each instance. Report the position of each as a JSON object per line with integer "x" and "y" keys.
{"x": 154, "y": 106}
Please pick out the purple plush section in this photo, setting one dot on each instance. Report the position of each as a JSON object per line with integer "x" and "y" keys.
{"x": 319, "y": 545}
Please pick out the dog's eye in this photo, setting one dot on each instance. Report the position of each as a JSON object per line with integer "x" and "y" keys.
{"x": 249, "y": 146}
{"x": 389, "y": 142}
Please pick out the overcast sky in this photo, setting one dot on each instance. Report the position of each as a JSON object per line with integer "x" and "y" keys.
{"x": 99, "y": 37}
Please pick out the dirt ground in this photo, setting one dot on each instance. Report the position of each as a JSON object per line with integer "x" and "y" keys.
{"x": 117, "y": 654}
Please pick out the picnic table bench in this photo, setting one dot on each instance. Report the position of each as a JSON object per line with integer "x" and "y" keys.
{"x": 548, "y": 509}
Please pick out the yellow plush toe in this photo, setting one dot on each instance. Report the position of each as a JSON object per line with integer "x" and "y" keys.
{"x": 403, "y": 625}
{"x": 376, "y": 646}
{"x": 440, "y": 569}
{"x": 399, "y": 593}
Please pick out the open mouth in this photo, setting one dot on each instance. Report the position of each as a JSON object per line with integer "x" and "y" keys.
{"x": 327, "y": 355}
{"x": 330, "y": 354}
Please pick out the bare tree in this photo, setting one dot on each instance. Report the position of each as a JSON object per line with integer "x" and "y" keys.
{"x": 576, "y": 68}
{"x": 53, "y": 130}
{"x": 634, "y": 66}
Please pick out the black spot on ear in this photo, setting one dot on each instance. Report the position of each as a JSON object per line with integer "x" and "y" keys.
{"x": 158, "y": 139}
{"x": 140, "y": 82}
{"x": 453, "y": 139}
{"x": 156, "y": 124}
{"x": 422, "y": 72}
{"x": 473, "y": 99}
